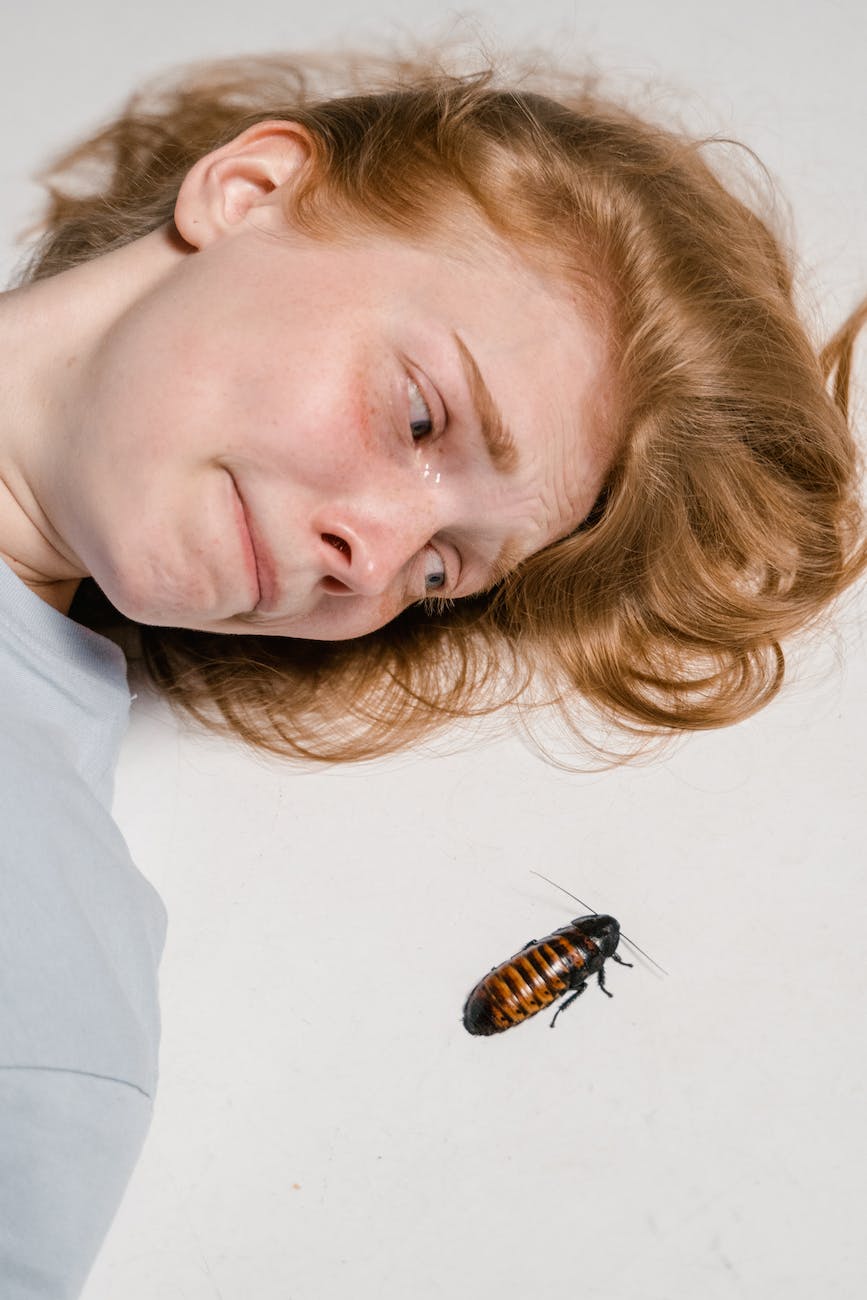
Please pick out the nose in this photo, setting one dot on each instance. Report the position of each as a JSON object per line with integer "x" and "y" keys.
{"x": 362, "y": 554}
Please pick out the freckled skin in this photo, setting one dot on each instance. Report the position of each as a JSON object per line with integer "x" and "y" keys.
{"x": 284, "y": 361}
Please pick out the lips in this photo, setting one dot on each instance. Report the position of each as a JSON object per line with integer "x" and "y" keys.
{"x": 265, "y": 570}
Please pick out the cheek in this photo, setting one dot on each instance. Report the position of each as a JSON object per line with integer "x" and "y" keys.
{"x": 311, "y": 425}
{"x": 344, "y": 426}
{"x": 379, "y": 613}
{"x": 340, "y": 618}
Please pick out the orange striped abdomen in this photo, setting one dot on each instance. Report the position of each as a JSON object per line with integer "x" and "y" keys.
{"x": 531, "y": 980}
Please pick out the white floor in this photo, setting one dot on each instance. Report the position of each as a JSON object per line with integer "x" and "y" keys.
{"x": 325, "y": 1127}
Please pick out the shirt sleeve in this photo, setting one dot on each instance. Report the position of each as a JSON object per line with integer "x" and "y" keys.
{"x": 69, "y": 1142}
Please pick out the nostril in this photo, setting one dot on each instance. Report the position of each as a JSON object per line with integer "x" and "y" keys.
{"x": 335, "y": 587}
{"x": 338, "y": 543}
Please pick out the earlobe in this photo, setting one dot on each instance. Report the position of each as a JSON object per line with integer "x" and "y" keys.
{"x": 221, "y": 188}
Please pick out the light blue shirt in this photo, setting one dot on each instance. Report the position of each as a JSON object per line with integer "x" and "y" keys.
{"x": 81, "y": 936}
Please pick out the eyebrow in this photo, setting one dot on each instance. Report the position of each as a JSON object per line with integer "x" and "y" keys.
{"x": 510, "y": 556}
{"x": 500, "y": 443}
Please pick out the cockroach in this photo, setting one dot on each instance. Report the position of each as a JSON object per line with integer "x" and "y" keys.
{"x": 544, "y": 970}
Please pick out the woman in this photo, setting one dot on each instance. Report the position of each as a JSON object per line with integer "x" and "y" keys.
{"x": 433, "y": 396}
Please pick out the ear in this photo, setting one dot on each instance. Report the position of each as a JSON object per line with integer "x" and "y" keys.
{"x": 220, "y": 189}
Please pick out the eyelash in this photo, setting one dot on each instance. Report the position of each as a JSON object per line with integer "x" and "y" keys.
{"x": 436, "y": 605}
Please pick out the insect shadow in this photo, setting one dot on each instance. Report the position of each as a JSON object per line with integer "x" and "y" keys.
{"x": 545, "y": 970}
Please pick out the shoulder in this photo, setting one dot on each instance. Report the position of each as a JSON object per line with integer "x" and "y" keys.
{"x": 81, "y": 930}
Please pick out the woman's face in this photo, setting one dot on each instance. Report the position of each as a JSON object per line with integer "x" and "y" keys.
{"x": 301, "y": 439}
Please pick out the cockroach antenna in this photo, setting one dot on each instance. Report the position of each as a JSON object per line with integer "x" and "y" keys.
{"x": 593, "y": 912}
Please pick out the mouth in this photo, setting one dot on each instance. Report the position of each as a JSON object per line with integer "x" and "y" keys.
{"x": 259, "y": 558}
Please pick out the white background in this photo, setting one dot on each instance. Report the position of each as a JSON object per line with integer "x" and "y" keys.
{"x": 324, "y": 1126}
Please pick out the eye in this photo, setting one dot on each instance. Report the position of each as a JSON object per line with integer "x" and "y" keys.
{"x": 434, "y": 571}
{"x": 421, "y": 422}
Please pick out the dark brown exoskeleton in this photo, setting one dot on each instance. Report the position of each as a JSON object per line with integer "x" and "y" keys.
{"x": 543, "y": 971}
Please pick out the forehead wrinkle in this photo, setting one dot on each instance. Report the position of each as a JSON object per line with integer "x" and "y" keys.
{"x": 500, "y": 443}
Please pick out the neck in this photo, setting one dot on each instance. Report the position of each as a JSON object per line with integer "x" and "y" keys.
{"x": 50, "y": 331}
